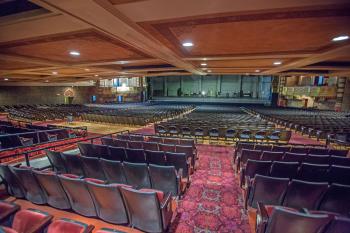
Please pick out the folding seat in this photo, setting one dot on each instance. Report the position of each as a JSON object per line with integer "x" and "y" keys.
{"x": 107, "y": 141}
{"x": 180, "y": 161}
{"x": 338, "y": 224}
{"x": 186, "y": 132}
{"x": 56, "y": 161}
{"x": 267, "y": 190}
{"x": 121, "y": 143}
{"x": 336, "y": 200}
{"x": 187, "y": 142}
{"x": 100, "y": 151}
{"x": 27, "y": 221}
{"x": 275, "y": 136}
{"x": 167, "y": 147}
{"x": 171, "y": 141}
{"x": 153, "y": 146}
{"x": 7, "y": 210}
{"x": 13, "y": 186}
{"x": 78, "y": 195}
{"x": 86, "y": 149}
{"x": 245, "y": 155}
{"x": 113, "y": 171}
{"x": 303, "y": 194}
{"x": 137, "y": 175}
{"x": 252, "y": 168}
{"x": 317, "y": 159}
{"x": 156, "y": 139}
{"x": 33, "y": 191}
{"x": 148, "y": 211}
{"x": 245, "y": 135}
{"x": 160, "y": 130}
{"x": 313, "y": 172}
{"x": 342, "y": 153}
{"x": 188, "y": 150}
{"x": 68, "y": 225}
{"x": 260, "y": 135}
{"x": 108, "y": 202}
{"x": 299, "y": 150}
{"x": 199, "y": 132}
{"x": 173, "y": 130}
{"x": 339, "y": 174}
{"x": 117, "y": 153}
{"x": 135, "y": 145}
{"x": 125, "y": 137}
{"x": 135, "y": 155}
{"x": 271, "y": 156}
{"x": 155, "y": 157}
{"x": 166, "y": 179}
{"x": 281, "y": 148}
{"x": 263, "y": 147}
{"x": 92, "y": 168}
{"x": 230, "y": 134}
{"x": 73, "y": 164}
{"x": 136, "y": 137}
{"x": 213, "y": 133}
{"x": 338, "y": 160}
{"x": 318, "y": 151}
{"x": 51, "y": 186}
{"x": 284, "y": 169}
{"x": 291, "y": 221}
{"x": 293, "y": 157}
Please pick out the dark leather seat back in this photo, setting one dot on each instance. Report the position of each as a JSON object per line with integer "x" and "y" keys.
{"x": 317, "y": 159}
{"x": 339, "y": 224}
{"x": 271, "y": 156}
{"x": 276, "y": 187}
{"x": 319, "y": 151}
{"x": 100, "y": 151}
{"x": 107, "y": 141}
{"x": 152, "y": 146}
{"x": 254, "y": 167}
{"x": 113, "y": 171}
{"x": 179, "y": 160}
{"x": 121, "y": 143}
{"x": 135, "y": 144}
{"x": 14, "y": 187}
{"x": 78, "y": 195}
{"x": 250, "y": 154}
{"x": 171, "y": 141}
{"x": 341, "y": 161}
{"x": 92, "y": 168}
{"x": 313, "y": 172}
{"x": 339, "y": 174}
{"x": 33, "y": 191}
{"x": 299, "y": 150}
{"x": 277, "y": 148}
{"x": 284, "y": 169}
{"x": 117, "y": 153}
{"x": 56, "y": 161}
{"x": 340, "y": 153}
{"x": 86, "y": 149}
{"x": 302, "y": 194}
{"x": 164, "y": 178}
{"x": 155, "y": 157}
{"x": 108, "y": 202}
{"x": 167, "y": 147}
{"x": 188, "y": 150}
{"x": 56, "y": 196}
{"x": 73, "y": 164}
{"x": 293, "y": 157}
{"x": 135, "y": 155}
{"x": 337, "y": 200}
{"x": 137, "y": 175}
{"x": 156, "y": 139}
{"x": 263, "y": 147}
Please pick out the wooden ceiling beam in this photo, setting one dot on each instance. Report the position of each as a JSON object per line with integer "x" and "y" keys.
{"x": 250, "y": 57}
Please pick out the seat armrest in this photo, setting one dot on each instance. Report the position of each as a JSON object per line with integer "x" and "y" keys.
{"x": 179, "y": 173}
{"x": 246, "y": 192}
{"x": 262, "y": 218}
{"x": 242, "y": 177}
{"x": 166, "y": 201}
{"x": 238, "y": 161}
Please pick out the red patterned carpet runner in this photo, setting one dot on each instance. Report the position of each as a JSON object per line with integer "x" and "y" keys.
{"x": 213, "y": 202}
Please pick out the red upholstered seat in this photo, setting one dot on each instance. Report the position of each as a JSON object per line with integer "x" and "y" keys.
{"x": 69, "y": 226}
{"x": 7, "y": 209}
{"x": 159, "y": 193}
{"x": 30, "y": 220}
{"x": 7, "y": 230}
{"x": 71, "y": 176}
{"x": 108, "y": 230}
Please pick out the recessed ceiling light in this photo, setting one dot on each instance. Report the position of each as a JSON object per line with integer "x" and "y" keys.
{"x": 187, "y": 44}
{"x": 46, "y": 81}
{"x": 96, "y": 75}
{"x": 209, "y": 71}
{"x": 203, "y": 64}
{"x": 54, "y": 72}
{"x": 87, "y": 69}
{"x": 74, "y": 53}
{"x": 6, "y": 79}
{"x": 204, "y": 68}
{"x": 204, "y": 58}
{"x": 257, "y": 71}
{"x": 340, "y": 38}
{"x": 276, "y": 63}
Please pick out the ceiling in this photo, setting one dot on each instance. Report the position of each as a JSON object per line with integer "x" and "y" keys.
{"x": 145, "y": 38}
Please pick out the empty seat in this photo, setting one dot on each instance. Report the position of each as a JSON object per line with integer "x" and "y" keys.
{"x": 137, "y": 175}
{"x": 92, "y": 168}
{"x": 339, "y": 174}
{"x": 293, "y": 157}
{"x": 299, "y": 150}
{"x": 108, "y": 141}
{"x": 135, "y": 155}
{"x": 248, "y": 154}
{"x": 121, "y": 143}
{"x": 156, "y": 139}
{"x": 78, "y": 195}
{"x": 284, "y": 169}
{"x": 113, "y": 171}
{"x": 180, "y": 161}
{"x": 135, "y": 144}
{"x": 165, "y": 178}
{"x": 100, "y": 151}
{"x": 7, "y": 209}
{"x": 188, "y": 150}
{"x": 336, "y": 200}
{"x": 146, "y": 211}
{"x": 338, "y": 160}
{"x": 318, "y": 151}
{"x": 108, "y": 202}
{"x": 14, "y": 187}
{"x": 155, "y": 157}
{"x": 342, "y": 153}
{"x": 167, "y": 147}
{"x": 254, "y": 167}
{"x": 313, "y": 172}
{"x": 86, "y": 149}
{"x": 117, "y": 153}
{"x": 271, "y": 156}
{"x": 152, "y": 146}
{"x": 187, "y": 142}
{"x": 136, "y": 137}
{"x": 339, "y": 224}
{"x": 245, "y": 135}
{"x": 56, "y": 161}
{"x": 171, "y": 141}
{"x": 302, "y": 194}
{"x": 56, "y": 196}
{"x": 263, "y": 147}
{"x": 73, "y": 164}
{"x": 33, "y": 191}
{"x": 317, "y": 159}
{"x": 281, "y": 148}
{"x": 68, "y": 225}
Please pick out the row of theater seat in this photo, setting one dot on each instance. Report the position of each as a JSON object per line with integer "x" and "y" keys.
{"x": 147, "y": 209}
{"x": 15, "y": 220}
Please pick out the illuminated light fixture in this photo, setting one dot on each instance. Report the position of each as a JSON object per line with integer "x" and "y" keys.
{"x": 340, "y": 38}
{"x": 96, "y": 75}
{"x": 187, "y": 44}
{"x": 203, "y": 64}
{"x": 46, "y": 81}
{"x": 257, "y": 71}
{"x": 54, "y": 72}
{"x": 203, "y": 92}
{"x": 87, "y": 69}
{"x": 209, "y": 71}
{"x": 204, "y": 59}
{"x": 123, "y": 88}
{"x": 6, "y": 79}
{"x": 276, "y": 63}
{"x": 74, "y": 53}
{"x": 204, "y": 68}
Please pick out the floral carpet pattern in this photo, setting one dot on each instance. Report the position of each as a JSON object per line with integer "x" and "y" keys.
{"x": 213, "y": 203}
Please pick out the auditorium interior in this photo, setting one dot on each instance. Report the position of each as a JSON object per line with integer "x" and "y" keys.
{"x": 179, "y": 116}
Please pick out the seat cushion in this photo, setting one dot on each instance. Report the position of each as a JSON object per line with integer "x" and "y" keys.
{"x": 7, "y": 209}
{"x": 26, "y": 220}
{"x": 159, "y": 193}
{"x": 64, "y": 225}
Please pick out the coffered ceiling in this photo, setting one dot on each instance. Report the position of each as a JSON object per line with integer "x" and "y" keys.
{"x": 68, "y": 41}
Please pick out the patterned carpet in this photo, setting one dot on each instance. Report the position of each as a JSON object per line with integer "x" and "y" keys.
{"x": 213, "y": 202}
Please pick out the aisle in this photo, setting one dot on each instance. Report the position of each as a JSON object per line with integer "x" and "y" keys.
{"x": 213, "y": 202}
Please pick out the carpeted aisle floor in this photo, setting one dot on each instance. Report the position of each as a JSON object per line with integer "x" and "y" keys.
{"x": 213, "y": 202}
